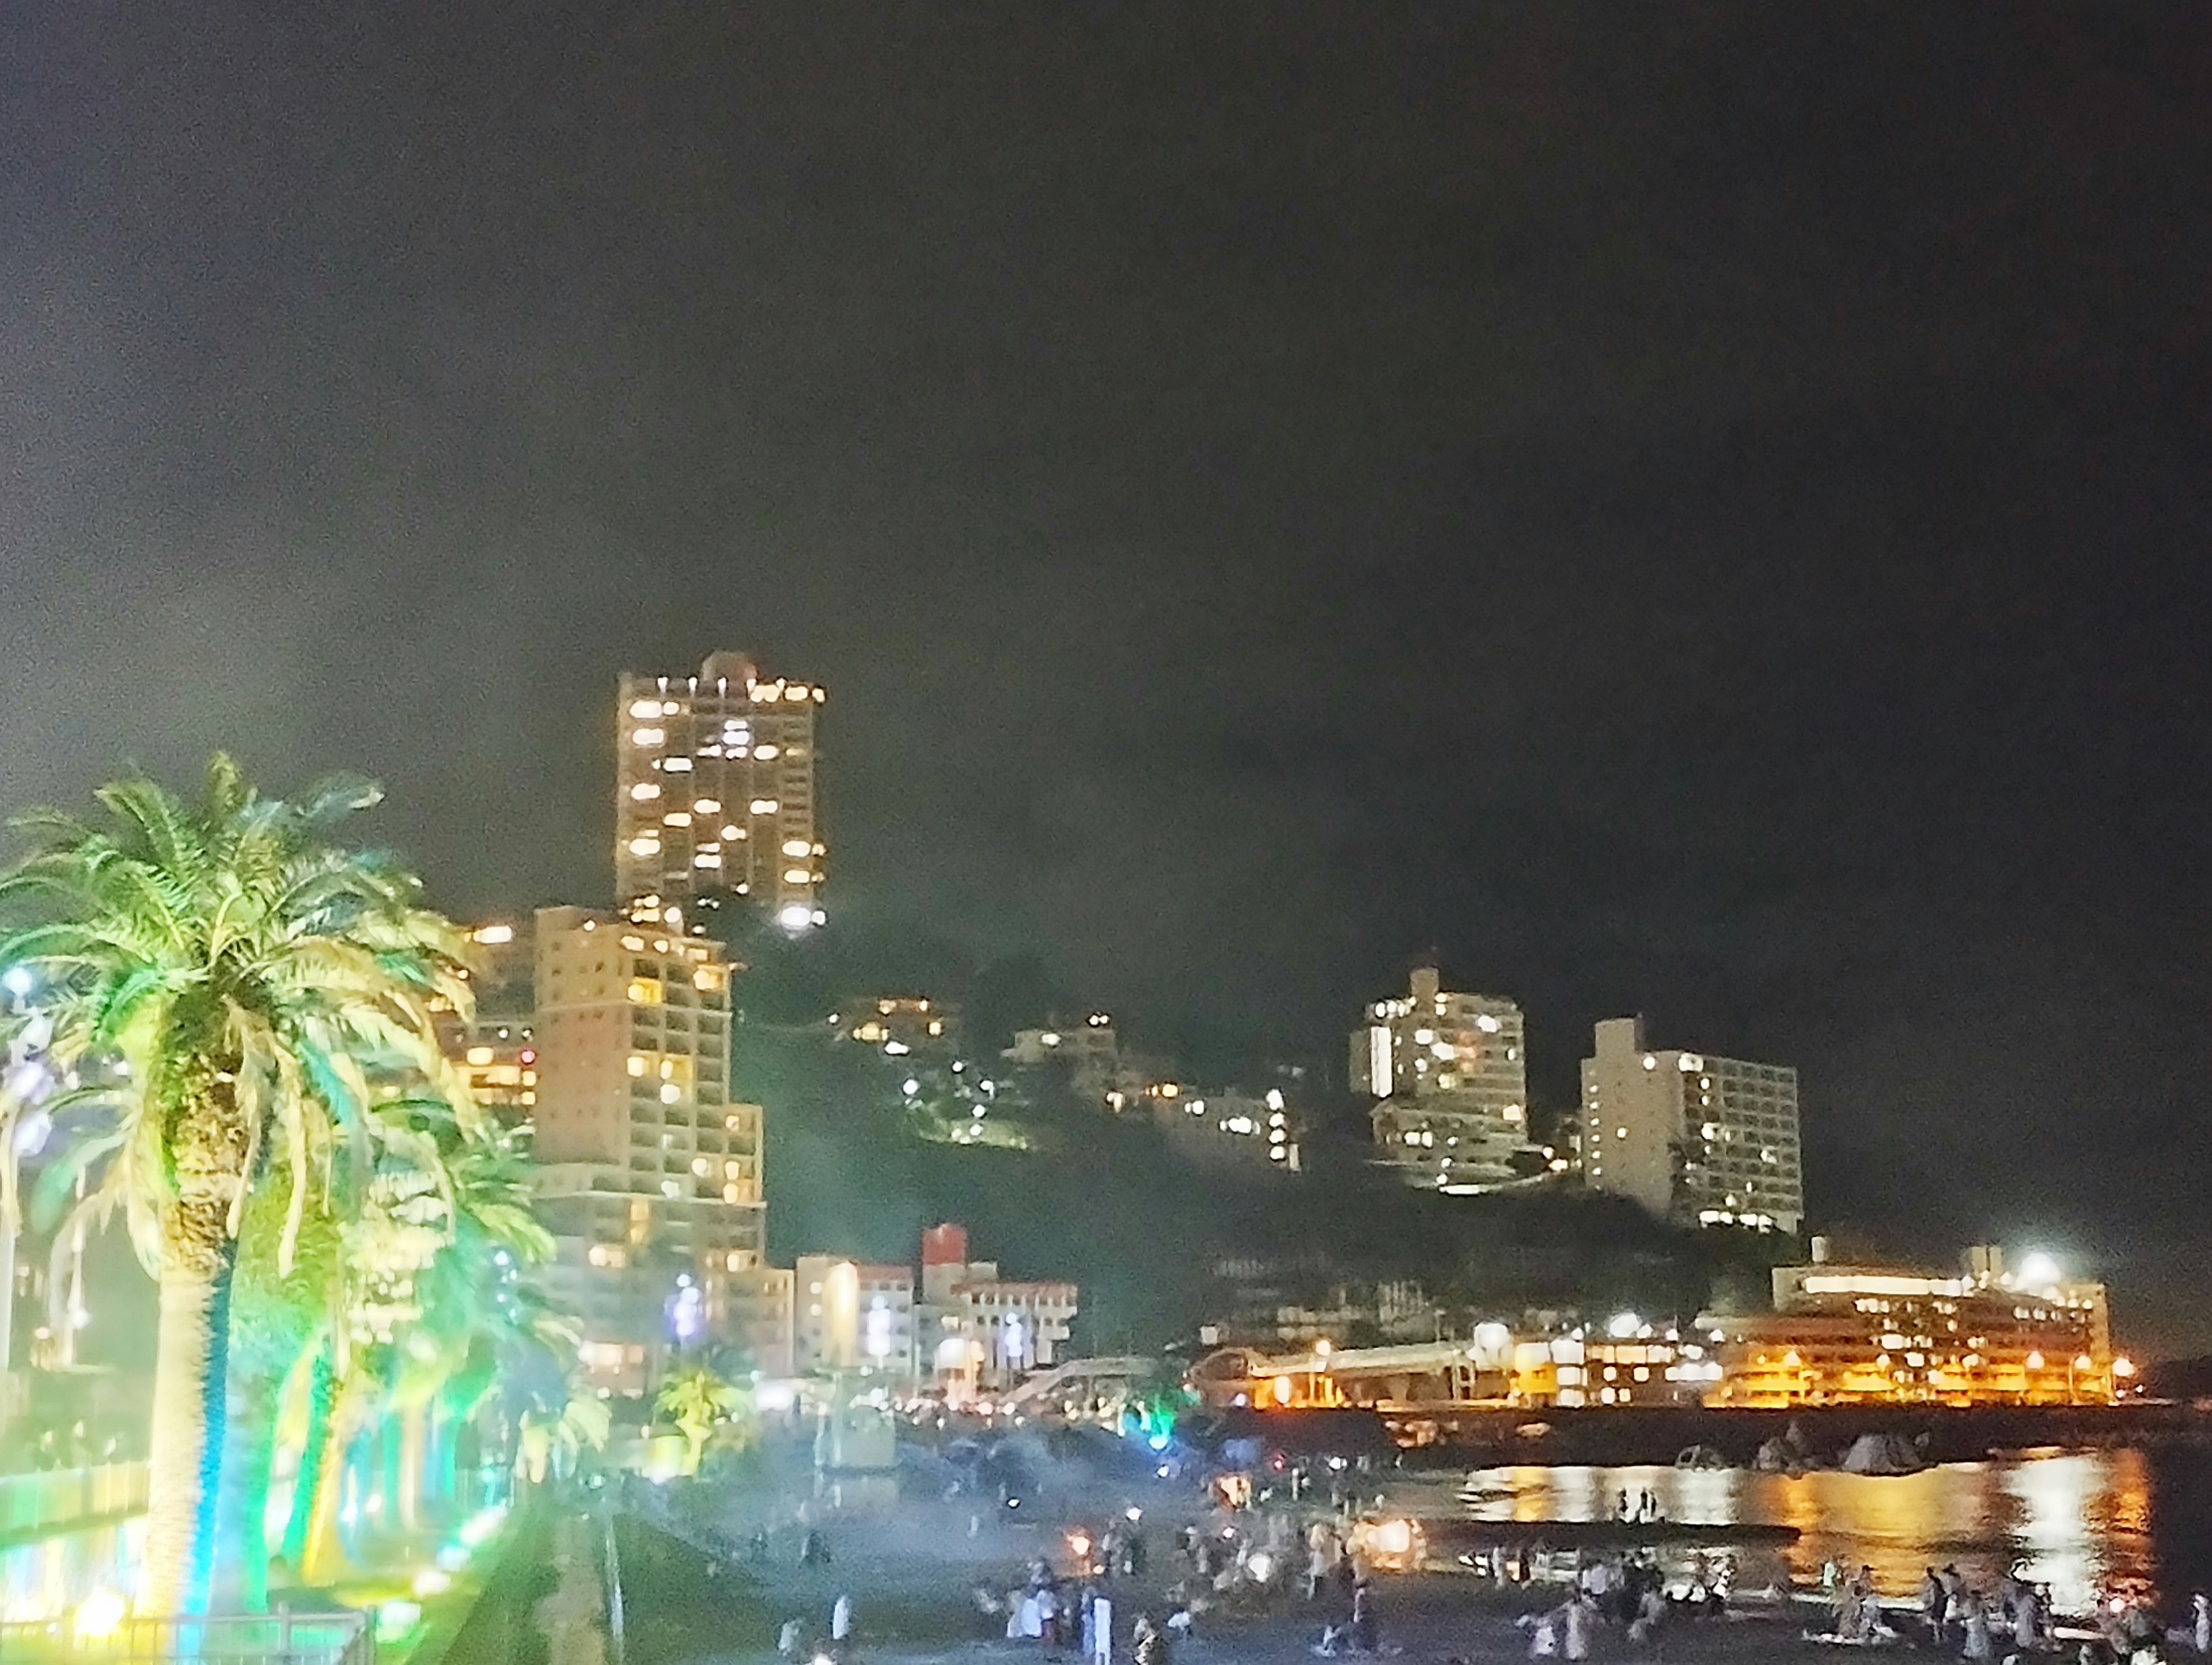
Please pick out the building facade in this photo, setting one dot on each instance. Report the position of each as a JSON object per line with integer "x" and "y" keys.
{"x": 1987, "y": 1335}
{"x": 1230, "y": 1129}
{"x": 1693, "y": 1138}
{"x": 714, "y": 794}
{"x": 1450, "y": 1076}
{"x": 650, "y": 1175}
{"x": 848, "y": 1316}
{"x": 899, "y": 1025}
{"x": 980, "y": 1333}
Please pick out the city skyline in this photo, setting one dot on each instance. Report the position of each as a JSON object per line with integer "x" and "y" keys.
{"x": 1690, "y": 515}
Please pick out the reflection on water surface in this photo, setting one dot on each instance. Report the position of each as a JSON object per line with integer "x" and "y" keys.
{"x": 2077, "y": 1521}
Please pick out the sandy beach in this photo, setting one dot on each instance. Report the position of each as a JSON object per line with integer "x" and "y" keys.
{"x": 912, "y": 1569}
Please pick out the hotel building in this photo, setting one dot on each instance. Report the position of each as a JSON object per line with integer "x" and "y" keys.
{"x": 980, "y": 1332}
{"x": 1449, "y": 1073}
{"x": 1693, "y": 1138}
{"x": 850, "y": 1317}
{"x": 1849, "y": 1334}
{"x": 650, "y": 1177}
{"x": 715, "y": 794}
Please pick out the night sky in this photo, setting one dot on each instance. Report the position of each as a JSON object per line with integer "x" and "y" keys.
{"x": 1691, "y": 509}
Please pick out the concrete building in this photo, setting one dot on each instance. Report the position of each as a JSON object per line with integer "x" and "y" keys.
{"x": 899, "y": 1025}
{"x": 1693, "y": 1138}
{"x": 1090, "y": 1051}
{"x": 651, "y": 1176}
{"x": 1839, "y": 1336}
{"x": 1231, "y": 1128}
{"x": 715, "y": 794}
{"x": 1449, "y": 1075}
{"x": 849, "y": 1316}
{"x": 1987, "y": 1335}
{"x": 982, "y": 1333}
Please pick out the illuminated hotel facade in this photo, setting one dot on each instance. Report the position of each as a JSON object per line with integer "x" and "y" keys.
{"x": 1696, "y": 1139}
{"x": 1839, "y": 1336}
{"x": 650, "y": 1174}
{"x": 1847, "y": 1334}
{"x": 714, "y": 794}
{"x": 1449, "y": 1075}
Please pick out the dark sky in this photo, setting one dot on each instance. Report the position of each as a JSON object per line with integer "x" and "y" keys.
{"x": 1697, "y": 509}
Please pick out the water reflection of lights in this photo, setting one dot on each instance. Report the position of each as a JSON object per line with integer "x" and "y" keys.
{"x": 2076, "y": 1521}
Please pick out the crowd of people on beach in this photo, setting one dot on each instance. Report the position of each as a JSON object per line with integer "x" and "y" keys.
{"x": 1950, "y": 1615}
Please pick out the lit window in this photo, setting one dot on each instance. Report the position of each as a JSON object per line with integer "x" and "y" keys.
{"x": 648, "y": 737}
{"x": 645, "y": 707}
{"x": 646, "y": 791}
{"x": 796, "y": 875}
{"x": 671, "y": 1093}
{"x": 479, "y": 1055}
{"x": 709, "y": 806}
{"x": 797, "y": 846}
{"x": 765, "y": 806}
{"x": 706, "y": 858}
{"x": 676, "y": 765}
{"x": 636, "y": 1065}
{"x": 677, "y": 818}
{"x": 766, "y": 754}
{"x": 646, "y": 844}
{"x": 645, "y": 993}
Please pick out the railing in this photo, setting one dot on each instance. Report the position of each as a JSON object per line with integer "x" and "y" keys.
{"x": 278, "y": 1638}
{"x": 40, "y": 1500}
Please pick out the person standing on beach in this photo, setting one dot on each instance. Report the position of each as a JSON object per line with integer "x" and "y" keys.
{"x": 1933, "y": 1598}
{"x": 841, "y": 1622}
{"x": 1979, "y": 1646}
{"x": 1577, "y": 1626}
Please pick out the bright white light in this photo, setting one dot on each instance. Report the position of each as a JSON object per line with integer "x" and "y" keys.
{"x": 795, "y": 918}
{"x": 18, "y": 981}
{"x": 2040, "y": 1271}
{"x": 1622, "y": 1325}
{"x": 910, "y": 1086}
{"x": 100, "y": 1615}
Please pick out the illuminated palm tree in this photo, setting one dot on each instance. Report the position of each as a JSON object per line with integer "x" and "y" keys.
{"x": 433, "y": 1278}
{"x": 220, "y": 981}
{"x": 698, "y": 1402}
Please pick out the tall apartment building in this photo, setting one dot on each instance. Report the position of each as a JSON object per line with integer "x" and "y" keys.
{"x": 1449, "y": 1073}
{"x": 714, "y": 794}
{"x": 650, "y": 1174}
{"x": 1693, "y": 1138}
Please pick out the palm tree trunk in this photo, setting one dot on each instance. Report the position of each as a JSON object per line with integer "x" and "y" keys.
{"x": 324, "y": 1557}
{"x": 322, "y": 1405}
{"x": 249, "y": 1458}
{"x": 414, "y": 1456}
{"x": 192, "y": 1349}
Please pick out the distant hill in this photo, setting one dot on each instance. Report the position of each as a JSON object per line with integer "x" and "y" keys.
{"x": 1104, "y": 1200}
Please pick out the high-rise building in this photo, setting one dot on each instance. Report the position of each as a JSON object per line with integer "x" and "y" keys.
{"x": 650, "y": 1175}
{"x": 714, "y": 794}
{"x": 1449, "y": 1073}
{"x": 1696, "y": 1139}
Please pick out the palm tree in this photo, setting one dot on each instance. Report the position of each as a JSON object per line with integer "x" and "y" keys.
{"x": 229, "y": 981}
{"x": 697, "y": 1400}
{"x": 432, "y": 1276}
